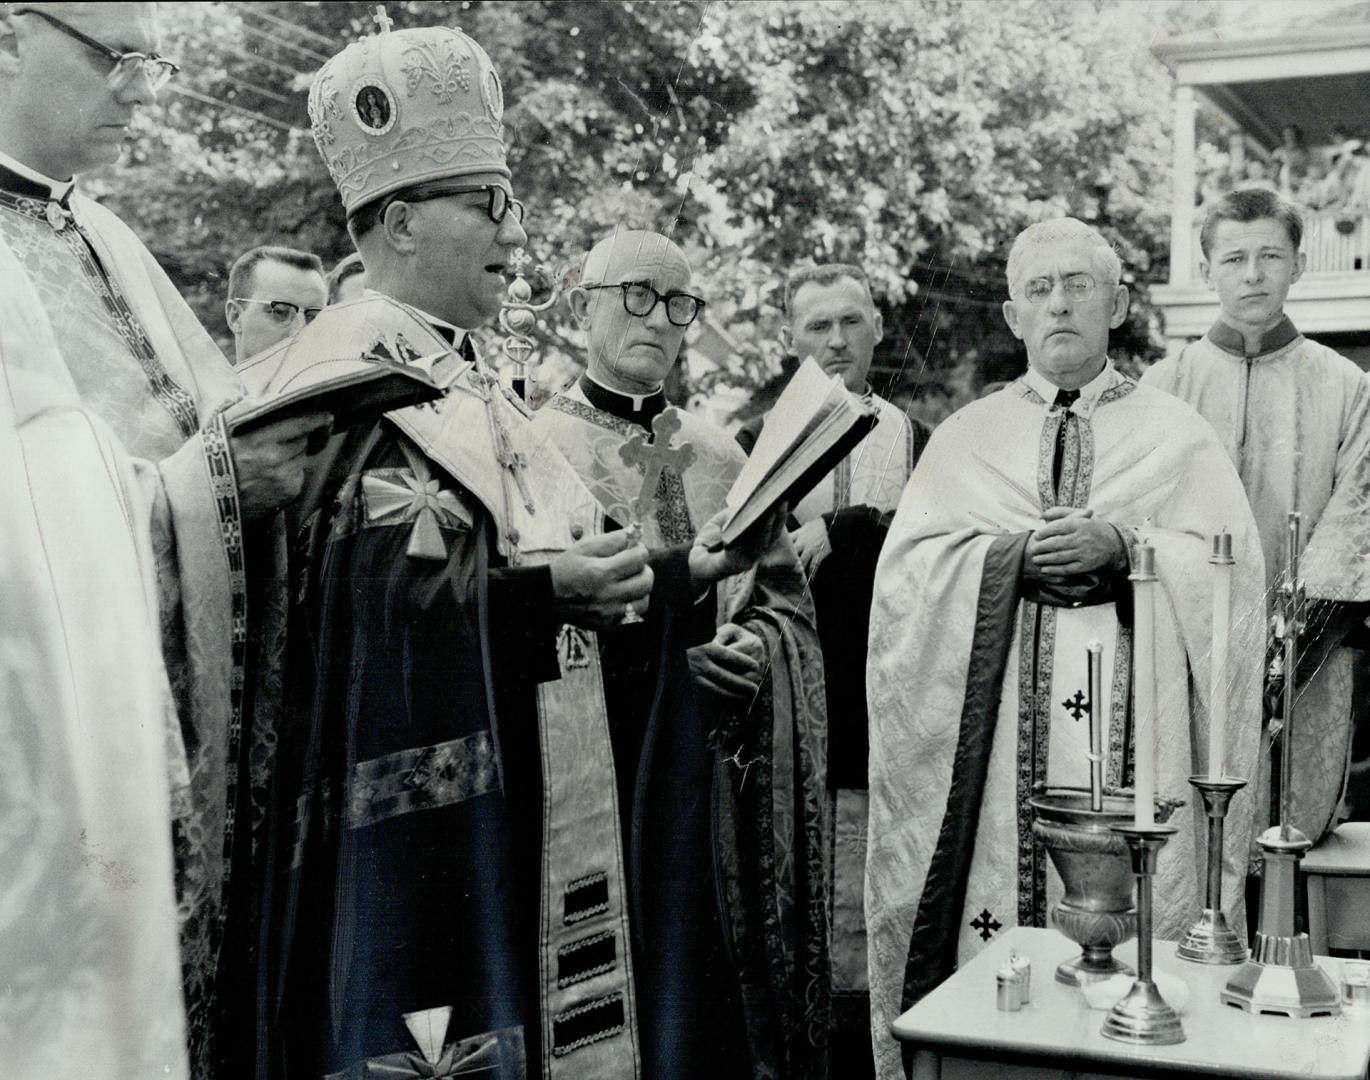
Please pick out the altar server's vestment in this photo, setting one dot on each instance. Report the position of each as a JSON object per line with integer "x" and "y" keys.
{"x": 723, "y": 803}
{"x": 141, "y": 362}
{"x": 1295, "y": 420}
{"x": 978, "y": 677}
{"x": 88, "y": 937}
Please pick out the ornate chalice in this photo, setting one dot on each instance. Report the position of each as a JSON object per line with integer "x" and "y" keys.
{"x": 1097, "y": 911}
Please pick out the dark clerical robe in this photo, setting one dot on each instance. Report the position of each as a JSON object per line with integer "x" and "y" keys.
{"x": 977, "y": 675}
{"x": 855, "y": 501}
{"x": 727, "y": 819}
{"x": 447, "y": 885}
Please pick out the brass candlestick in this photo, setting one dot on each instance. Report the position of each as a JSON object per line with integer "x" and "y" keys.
{"x": 1281, "y": 976}
{"x": 1211, "y": 940}
{"x": 1143, "y": 1017}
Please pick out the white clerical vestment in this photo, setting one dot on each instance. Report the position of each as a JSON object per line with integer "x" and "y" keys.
{"x": 1295, "y": 420}
{"x": 88, "y": 941}
{"x": 141, "y": 362}
{"x": 964, "y": 653}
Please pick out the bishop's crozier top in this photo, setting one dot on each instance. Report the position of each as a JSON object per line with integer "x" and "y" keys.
{"x": 402, "y": 107}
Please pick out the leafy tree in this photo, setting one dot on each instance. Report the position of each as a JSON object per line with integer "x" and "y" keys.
{"x": 915, "y": 139}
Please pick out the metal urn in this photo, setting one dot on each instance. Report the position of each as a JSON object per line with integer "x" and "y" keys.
{"x": 1097, "y": 910}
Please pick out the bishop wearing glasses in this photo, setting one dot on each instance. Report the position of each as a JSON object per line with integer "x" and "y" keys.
{"x": 72, "y": 78}
{"x": 443, "y": 871}
{"x": 715, "y": 705}
{"x": 1014, "y": 538}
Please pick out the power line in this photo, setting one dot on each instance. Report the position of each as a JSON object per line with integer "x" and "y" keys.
{"x": 300, "y": 50}
{"x": 259, "y": 90}
{"x": 254, "y": 58}
{"x": 190, "y": 92}
{"x": 284, "y": 24}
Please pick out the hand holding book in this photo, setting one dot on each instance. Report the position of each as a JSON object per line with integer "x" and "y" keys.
{"x": 814, "y": 424}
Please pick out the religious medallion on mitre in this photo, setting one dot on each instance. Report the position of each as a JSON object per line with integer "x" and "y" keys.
{"x": 403, "y": 107}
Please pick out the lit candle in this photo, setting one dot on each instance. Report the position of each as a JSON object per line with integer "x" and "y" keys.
{"x": 1222, "y": 626}
{"x": 1144, "y": 688}
{"x": 1094, "y": 666}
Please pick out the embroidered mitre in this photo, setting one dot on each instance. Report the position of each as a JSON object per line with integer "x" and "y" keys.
{"x": 398, "y": 109}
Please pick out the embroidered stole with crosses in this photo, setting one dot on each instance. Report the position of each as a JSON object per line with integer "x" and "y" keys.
{"x": 481, "y": 435}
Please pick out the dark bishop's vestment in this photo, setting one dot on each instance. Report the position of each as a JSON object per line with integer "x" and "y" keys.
{"x": 444, "y": 888}
{"x": 447, "y": 886}
{"x": 722, "y": 802}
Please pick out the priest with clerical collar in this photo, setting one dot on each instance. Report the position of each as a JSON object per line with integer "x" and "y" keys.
{"x": 1004, "y": 562}
{"x": 728, "y": 674}
{"x": 1294, "y": 416}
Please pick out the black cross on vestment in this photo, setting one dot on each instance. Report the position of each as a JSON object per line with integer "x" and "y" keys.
{"x": 986, "y": 924}
{"x": 1077, "y": 706}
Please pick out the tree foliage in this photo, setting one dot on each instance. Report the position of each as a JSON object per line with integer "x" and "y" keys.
{"x": 913, "y": 138}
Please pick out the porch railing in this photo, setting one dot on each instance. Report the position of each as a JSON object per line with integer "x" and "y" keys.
{"x": 1336, "y": 243}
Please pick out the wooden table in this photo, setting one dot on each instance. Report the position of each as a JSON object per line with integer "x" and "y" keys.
{"x": 958, "y": 1033}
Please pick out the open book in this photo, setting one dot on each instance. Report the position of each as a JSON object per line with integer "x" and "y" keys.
{"x": 814, "y": 424}
{"x": 356, "y": 360}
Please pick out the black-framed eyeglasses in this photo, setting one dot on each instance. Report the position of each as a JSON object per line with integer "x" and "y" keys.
{"x": 282, "y": 311}
{"x": 498, "y": 206}
{"x": 1077, "y": 286}
{"x": 641, "y": 299}
{"x": 158, "y": 70}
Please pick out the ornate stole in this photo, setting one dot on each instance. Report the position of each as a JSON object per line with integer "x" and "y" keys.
{"x": 95, "y": 303}
{"x": 589, "y": 1025}
{"x": 1052, "y": 643}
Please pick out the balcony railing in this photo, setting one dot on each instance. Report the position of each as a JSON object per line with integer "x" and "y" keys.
{"x": 1335, "y": 244}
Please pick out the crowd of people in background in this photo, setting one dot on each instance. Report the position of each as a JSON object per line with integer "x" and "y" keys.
{"x": 1331, "y": 178}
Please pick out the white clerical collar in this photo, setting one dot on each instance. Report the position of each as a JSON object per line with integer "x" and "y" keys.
{"x": 637, "y": 399}
{"x": 59, "y": 189}
{"x": 1046, "y": 389}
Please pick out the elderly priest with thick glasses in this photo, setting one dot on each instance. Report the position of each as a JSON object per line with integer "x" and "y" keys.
{"x": 714, "y": 704}
{"x": 72, "y": 77}
{"x": 1007, "y": 557}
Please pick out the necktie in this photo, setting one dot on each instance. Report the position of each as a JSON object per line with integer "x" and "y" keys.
{"x": 1064, "y": 400}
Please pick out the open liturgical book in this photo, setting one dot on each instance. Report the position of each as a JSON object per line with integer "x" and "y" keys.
{"x": 356, "y": 360}
{"x": 814, "y": 424}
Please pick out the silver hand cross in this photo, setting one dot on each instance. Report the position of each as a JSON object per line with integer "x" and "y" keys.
{"x": 653, "y": 457}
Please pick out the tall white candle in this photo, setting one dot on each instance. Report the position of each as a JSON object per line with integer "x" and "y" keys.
{"x": 1144, "y": 690}
{"x": 1094, "y": 669}
{"x": 1222, "y": 627}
